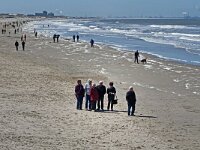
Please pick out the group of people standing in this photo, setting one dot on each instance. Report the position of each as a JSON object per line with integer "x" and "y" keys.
{"x": 94, "y": 96}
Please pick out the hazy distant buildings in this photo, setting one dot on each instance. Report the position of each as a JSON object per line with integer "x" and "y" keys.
{"x": 44, "y": 14}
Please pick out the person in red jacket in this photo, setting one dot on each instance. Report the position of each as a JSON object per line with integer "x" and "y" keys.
{"x": 94, "y": 96}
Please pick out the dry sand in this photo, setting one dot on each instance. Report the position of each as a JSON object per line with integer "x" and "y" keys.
{"x": 37, "y": 103}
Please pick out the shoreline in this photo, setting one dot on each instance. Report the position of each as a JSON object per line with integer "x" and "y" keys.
{"x": 151, "y": 54}
{"x": 38, "y": 104}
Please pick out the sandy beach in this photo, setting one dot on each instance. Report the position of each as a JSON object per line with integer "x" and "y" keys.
{"x": 38, "y": 106}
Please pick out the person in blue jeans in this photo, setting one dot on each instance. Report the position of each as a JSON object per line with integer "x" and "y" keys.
{"x": 88, "y": 86}
{"x": 79, "y": 93}
{"x": 131, "y": 101}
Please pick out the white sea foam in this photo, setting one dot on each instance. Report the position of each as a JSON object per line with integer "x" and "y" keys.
{"x": 196, "y": 93}
{"x": 148, "y": 66}
{"x": 172, "y": 27}
{"x": 103, "y": 71}
{"x": 187, "y": 85}
{"x": 148, "y": 86}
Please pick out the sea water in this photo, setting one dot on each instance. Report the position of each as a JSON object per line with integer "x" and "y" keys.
{"x": 172, "y": 39}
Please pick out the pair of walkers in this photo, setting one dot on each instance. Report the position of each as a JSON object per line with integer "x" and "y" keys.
{"x": 94, "y": 95}
{"x": 75, "y": 38}
{"x": 17, "y": 45}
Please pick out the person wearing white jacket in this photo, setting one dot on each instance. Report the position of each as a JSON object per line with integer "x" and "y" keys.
{"x": 88, "y": 86}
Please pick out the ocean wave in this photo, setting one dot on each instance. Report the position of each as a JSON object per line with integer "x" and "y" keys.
{"x": 172, "y": 27}
{"x": 127, "y": 37}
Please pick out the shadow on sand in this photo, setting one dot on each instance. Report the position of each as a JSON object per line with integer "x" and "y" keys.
{"x": 143, "y": 116}
{"x": 124, "y": 111}
{"x": 109, "y": 111}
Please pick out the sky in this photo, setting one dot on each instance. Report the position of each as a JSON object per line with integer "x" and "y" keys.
{"x": 104, "y": 8}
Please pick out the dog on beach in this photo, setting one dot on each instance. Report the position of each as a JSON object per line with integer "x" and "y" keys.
{"x": 144, "y": 61}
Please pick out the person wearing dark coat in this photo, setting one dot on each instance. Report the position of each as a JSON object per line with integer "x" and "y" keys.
{"x": 23, "y": 45}
{"x": 111, "y": 91}
{"x": 57, "y": 37}
{"x": 74, "y": 38}
{"x": 102, "y": 91}
{"x": 79, "y": 93}
{"x": 92, "y": 42}
{"x": 131, "y": 101}
{"x": 16, "y": 45}
{"x": 136, "y": 56}
{"x": 77, "y": 38}
{"x": 54, "y": 38}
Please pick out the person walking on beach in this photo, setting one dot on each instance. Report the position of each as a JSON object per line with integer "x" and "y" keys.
{"x": 88, "y": 86}
{"x": 23, "y": 45}
{"x": 24, "y": 37}
{"x": 92, "y": 42}
{"x": 54, "y": 38}
{"x": 36, "y": 34}
{"x": 102, "y": 91}
{"x": 111, "y": 91}
{"x": 136, "y": 57}
{"x": 57, "y": 37}
{"x": 94, "y": 95}
{"x": 79, "y": 93}
{"x": 74, "y": 38}
{"x": 131, "y": 101}
{"x": 16, "y": 45}
{"x": 77, "y": 38}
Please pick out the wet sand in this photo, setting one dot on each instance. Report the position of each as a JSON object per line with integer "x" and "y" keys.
{"x": 37, "y": 102}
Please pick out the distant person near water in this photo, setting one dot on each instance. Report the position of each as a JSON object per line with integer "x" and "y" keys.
{"x": 16, "y": 45}
{"x": 57, "y": 37}
{"x": 111, "y": 91}
{"x": 54, "y": 38}
{"x": 24, "y": 37}
{"x": 36, "y": 34}
{"x": 74, "y": 38}
{"x": 79, "y": 93}
{"x": 136, "y": 57}
{"x": 102, "y": 91}
{"x": 23, "y": 45}
{"x": 131, "y": 101}
{"x": 92, "y": 42}
{"x": 77, "y": 38}
{"x": 88, "y": 87}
